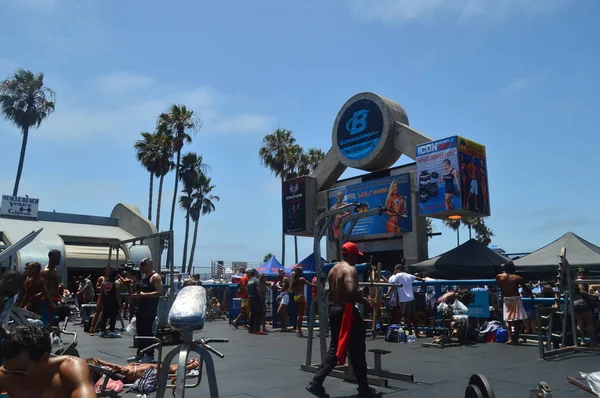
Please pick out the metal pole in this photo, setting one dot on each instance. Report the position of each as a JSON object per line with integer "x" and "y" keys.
{"x": 357, "y": 216}
{"x": 318, "y": 231}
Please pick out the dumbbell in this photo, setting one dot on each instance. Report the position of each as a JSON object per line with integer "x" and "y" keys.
{"x": 479, "y": 387}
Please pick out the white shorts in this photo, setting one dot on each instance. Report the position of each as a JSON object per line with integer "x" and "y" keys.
{"x": 474, "y": 188}
{"x": 285, "y": 298}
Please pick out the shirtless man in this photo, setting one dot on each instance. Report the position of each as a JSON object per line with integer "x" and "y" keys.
{"x": 514, "y": 312}
{"x": 344, "y": 289}
{"x": 133, "y": 371}
{"x": 28, "y": 370}
{"x": 51, "y": 279}
{"x": 34, "y": 291}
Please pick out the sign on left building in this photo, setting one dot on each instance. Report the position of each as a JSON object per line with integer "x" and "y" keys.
{"x": 16, "y": 206}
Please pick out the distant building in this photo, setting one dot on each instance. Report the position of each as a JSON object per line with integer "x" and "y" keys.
{"x": 83, "y": 240}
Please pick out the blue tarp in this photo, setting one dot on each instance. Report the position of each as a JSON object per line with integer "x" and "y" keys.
{"x": 270, "y": 267}
{"x": 308, "y": 264}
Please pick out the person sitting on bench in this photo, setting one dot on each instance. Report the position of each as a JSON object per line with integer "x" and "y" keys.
{"x": 133, "y": 371}
{"x": 29, "y": 371}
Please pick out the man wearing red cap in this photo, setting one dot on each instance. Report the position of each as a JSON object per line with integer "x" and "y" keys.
{"x": 348, "y": 332}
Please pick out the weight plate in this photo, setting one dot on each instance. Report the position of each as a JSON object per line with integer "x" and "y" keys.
{"x": 484, "y": 385}
{"x": 435, "y": 175}
{"x": 473, "y": 392}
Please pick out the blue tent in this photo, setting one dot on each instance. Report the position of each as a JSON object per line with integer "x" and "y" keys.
{"x": 308, "y": 264}
{"x": 270, "y": 267}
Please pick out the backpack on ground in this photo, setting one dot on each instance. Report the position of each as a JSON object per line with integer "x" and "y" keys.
{"x": 391, "y": 334}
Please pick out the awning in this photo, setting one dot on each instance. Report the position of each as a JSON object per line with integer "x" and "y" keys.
{"x": 90, "y": 256}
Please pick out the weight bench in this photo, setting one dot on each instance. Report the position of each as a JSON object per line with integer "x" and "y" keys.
{"x": 108, "y": 374}
{"x": 185, "y": 320}
{"x": 378, "y": 371}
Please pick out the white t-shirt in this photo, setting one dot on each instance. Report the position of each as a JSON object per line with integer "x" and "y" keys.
{"x": 405, "y": 293}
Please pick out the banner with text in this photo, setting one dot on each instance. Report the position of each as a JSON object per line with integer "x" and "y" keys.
{"x": 390, "y": 192}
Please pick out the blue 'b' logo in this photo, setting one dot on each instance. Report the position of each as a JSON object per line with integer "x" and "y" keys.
{"x": 358, "y": 122}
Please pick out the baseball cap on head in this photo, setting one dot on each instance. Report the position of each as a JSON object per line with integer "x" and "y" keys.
{"x": 351, "y": 248}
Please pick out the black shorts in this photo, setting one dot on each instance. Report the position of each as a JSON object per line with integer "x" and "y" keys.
{"x": 408, "y": 307}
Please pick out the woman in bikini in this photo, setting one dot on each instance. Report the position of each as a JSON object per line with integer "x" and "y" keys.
{"x": 397, "y": 203}
{"x": 133, "y": 371}
{"x": 297, "y": 284}
{"x": 283, "y": 298}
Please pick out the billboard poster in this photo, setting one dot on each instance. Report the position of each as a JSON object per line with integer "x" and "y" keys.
{"x": 474, "y": 177}
{"x": 389, "y": 192}
{"x": 438, "y": 176}
{"x": 294, "y": 205}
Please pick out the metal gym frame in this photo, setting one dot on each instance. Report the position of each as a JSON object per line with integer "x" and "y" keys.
{"x": 166, "y": 241}
{"x": 564, "y": 280}
{"x": 320, "y": 303}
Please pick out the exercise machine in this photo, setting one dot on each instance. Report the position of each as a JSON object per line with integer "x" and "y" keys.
{"x": 319, "y": 305}
{"x": 546, "y": 338}
{"x": 183, "y": 351}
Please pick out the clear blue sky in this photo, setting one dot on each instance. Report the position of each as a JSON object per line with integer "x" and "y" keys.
{"x": 519, "y": 76}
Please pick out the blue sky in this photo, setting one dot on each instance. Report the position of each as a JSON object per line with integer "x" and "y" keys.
{"x": 519, "y": 76}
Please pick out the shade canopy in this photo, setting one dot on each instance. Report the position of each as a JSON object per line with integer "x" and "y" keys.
{"x": 580, "y": 254}
{"x": 270, "y": 267}
{"x": 308, "y": 264}
{"x": 472, "y": 259}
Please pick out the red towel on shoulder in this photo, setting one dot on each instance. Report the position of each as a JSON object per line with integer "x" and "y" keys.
{"x": 345, "y": 329}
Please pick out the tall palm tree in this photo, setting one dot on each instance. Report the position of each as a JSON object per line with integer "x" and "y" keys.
{"x": 26, "y": 102}
{"x": 301, "y": 163}
{"x": 274, "y": 155}
{"x": 178, "y": 121}
{"x": 164, "y": 165}
{"x": 203, "y": 205}
{"x": 147, "y": 152}
{"x": 190, "y": 173}
{"x": 185, "y": 202}
{"x": 455, "y": 226}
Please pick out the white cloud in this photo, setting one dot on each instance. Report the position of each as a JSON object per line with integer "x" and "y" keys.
{"x": 521, "y": 84}
{"x": 122, "y": 117}
{"x": 244, "y": 122}
{"x": 402, "y": 11}
{"x": 122, "y": 81}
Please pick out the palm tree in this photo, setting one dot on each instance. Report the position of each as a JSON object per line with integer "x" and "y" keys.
{"x": 146, "y": 151}
{"x": 203, "y": 204}
{"x": 267, "y": 257}
{"x": 191, "y": 170}
{"x": 185, "y": 202}
{"x": 482, "y": 232}
{"x": 164, "y": 165}
{"x": 274, "y": 155}
{"x": 26, "y": 102}
{"x": 301, "y": 163}
{"x": 311, "y": 159}
{"x": 428, "y": 227}
{"x": 177, "y": 122}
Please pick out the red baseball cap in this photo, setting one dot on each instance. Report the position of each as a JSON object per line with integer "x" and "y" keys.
{"x": 351, "y": 248}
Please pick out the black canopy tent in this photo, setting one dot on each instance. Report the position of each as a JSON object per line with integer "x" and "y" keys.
{"x": 580, "y": 253}
{"x": 471, "y": 260}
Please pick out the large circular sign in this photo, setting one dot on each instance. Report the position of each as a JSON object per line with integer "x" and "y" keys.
{"x": 364, "y": 132}
{"x": 359, "y": 129}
